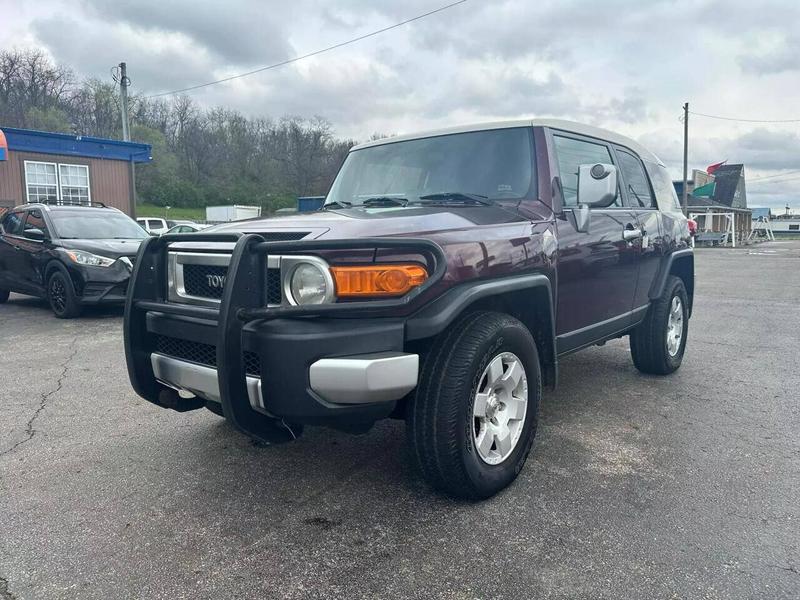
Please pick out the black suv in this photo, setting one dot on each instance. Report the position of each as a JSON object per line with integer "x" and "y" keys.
{"x": 70, "y": 254}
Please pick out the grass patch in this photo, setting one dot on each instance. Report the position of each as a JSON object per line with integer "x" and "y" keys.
{"x": 192, "y": 213}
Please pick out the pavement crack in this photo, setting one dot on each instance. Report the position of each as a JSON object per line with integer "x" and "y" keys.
{"x": 4, "y": 593}
{"x": 788, "y": 569}
{"x": 30, "y": 431}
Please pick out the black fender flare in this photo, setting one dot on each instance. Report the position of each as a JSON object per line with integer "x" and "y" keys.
{"x": 436, "y": 316}
{"x": 657, "y": 287}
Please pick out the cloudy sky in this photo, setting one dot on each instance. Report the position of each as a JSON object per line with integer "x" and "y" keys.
{"x": 625, "y": 65}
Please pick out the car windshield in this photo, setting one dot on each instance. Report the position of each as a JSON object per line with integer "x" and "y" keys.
{"x": 95, "y": 225}
{"x": 468, "y": 168}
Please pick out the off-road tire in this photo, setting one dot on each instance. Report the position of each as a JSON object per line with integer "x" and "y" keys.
{"x": 66, "y": 306}
{"x": 4, "y": 294}
{"x": 649, "y": 339}
{"x": 440, "y": 420}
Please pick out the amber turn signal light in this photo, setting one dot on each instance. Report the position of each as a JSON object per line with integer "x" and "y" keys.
{"x": 377, "y": 280}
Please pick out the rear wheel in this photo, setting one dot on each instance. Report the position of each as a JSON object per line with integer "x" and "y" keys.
{"x": 4, "y": 296}
{"x": 658, "y": 342}
{"x": 473, "y": 419}
{"x": 61, "y": 296}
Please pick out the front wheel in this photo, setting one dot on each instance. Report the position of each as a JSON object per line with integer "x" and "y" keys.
{"x": 658, "y": 342}
{"x": 473, "y": 419}
{"x": 61, "y": 296}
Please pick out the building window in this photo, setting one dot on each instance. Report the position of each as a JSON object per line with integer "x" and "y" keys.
{"x": 41, "y": 181}
{"x": 51, "y": 182}
{"x": 74, "y": 181}
{"x": 794, "y": 227}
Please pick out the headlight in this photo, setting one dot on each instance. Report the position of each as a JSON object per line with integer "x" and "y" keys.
{"x": 87, "y": 258}
{"x": 311, "y": 282}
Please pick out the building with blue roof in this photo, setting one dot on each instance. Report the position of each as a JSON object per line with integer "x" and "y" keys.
{"x": 38, "y": 166}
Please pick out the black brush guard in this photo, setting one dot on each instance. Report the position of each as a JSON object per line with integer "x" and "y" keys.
{"x": 243, "y": 301}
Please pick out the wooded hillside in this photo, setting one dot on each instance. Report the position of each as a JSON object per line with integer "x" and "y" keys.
{"x": 200, "y": 156}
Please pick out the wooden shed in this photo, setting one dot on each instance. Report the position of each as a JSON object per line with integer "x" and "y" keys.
{"x": 38, "y": 166}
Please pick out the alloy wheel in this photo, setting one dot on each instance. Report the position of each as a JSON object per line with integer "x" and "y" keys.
{"x": 58, "y": 294}
{"x": 499, "y": 408}
{"x": 675, "y": 326}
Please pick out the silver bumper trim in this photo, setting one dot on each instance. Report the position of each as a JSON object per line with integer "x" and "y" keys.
{"x": 365, "y": 378}
{"x": 199, "y": 379}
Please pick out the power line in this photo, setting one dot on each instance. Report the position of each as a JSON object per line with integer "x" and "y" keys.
{"x": 779, "y": 180}
{"x": 776, "y": 175}
{"x": 310, "y": 54}
{"x": 745, "y": 120}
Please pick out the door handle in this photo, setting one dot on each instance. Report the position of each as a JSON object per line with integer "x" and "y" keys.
{"x": 631, "y": 234}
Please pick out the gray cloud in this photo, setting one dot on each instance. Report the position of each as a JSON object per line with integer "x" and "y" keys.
{"x": 785, "y": 57}
{"x": 764, "y": 149}
{"x": 94, "y": 48}
{"x": 627, "y": 67}
{"x": 238, "y": 31}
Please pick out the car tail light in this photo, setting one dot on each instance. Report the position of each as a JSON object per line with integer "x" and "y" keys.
{"x": 377, "y": 280}
{"x": 692, "y": 226}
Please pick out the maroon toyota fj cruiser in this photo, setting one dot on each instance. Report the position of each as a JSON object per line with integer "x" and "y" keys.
{"x": 443, "y": 278}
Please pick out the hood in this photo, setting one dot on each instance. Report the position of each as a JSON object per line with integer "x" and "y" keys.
{"x": 108, "y": 248}
{"x": 372, "y": 222}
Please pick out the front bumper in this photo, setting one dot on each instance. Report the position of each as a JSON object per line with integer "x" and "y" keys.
{"x": 100, "y": 285}
{"x": 312, "y": 371}
{"x": 367, "y": 379}
{"x": 325, "y": 370}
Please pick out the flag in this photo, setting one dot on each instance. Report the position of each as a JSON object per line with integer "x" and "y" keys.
{"x": 704, "y": 191}
{"x": 3, "y": 146}
{"x": 711, "y": 168}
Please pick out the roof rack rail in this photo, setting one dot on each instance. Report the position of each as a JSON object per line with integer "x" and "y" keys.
{"x": 69, "y": 203}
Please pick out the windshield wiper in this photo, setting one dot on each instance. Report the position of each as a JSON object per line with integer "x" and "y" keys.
{"x": 384, "y": 201}
{"x": 337, "y": 204}
{"x": 459, "y": 197}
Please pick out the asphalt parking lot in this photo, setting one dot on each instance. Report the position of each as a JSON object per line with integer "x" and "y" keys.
{"x": 638, "y": 487}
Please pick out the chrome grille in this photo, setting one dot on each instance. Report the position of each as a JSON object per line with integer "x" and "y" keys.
{"x": 205, "y": 281}
{"x": 198, "y": 277}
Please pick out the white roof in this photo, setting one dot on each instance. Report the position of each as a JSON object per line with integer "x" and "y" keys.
{"x": 569, "y": 126}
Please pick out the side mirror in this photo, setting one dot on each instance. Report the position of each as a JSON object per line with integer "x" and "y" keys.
{"x": 34, "y": 233}
{"x": 597, "y": 185}
{"x": 597, "y": 188}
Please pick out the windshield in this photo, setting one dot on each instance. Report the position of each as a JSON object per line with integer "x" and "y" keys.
{"x": 95, "y": 225}
{"x": 463, "y": 167}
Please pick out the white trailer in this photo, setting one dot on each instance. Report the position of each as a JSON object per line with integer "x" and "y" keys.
{"x": 225, "y": 214}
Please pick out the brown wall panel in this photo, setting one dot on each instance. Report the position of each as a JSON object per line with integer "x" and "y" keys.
{"x": 109, "y": 180}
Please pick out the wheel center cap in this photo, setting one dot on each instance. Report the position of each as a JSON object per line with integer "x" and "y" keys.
{"x": 492, "y": 406}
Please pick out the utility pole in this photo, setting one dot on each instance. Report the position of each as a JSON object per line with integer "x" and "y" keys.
{"x": 685, "y": 199}
{"x": 123, "y": 87}
{"x": 124, "y": 82}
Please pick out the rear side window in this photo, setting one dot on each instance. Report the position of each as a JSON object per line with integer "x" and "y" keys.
{"x": 662, "y": 184}
{"x": 12, "y": 223}
{"x": 570, "y": 154}
{"x": 635, "y": 180}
